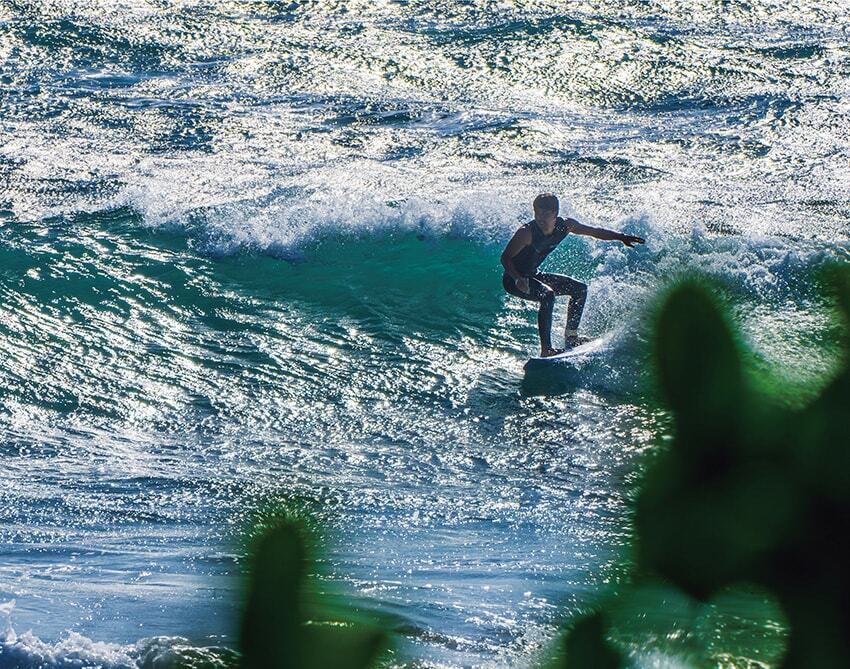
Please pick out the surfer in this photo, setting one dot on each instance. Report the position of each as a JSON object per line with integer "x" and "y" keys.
{"x": 526, "y": 251}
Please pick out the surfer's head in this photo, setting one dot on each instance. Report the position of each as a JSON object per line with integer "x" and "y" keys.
{"x": 546, "y": 206}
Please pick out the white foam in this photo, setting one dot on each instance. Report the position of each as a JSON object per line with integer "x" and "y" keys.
{"x": 27, "y": 651}
{"x": 75, "y": 651}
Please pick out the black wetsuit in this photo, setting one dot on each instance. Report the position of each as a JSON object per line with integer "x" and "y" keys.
{"x": 543, "y": 287}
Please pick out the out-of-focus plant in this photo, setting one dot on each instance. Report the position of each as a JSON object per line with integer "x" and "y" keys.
{"x": 285, "y": 624}
{"x": 748, "y": 491}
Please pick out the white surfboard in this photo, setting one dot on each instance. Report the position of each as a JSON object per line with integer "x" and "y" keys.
{"x": 572, "y": 355}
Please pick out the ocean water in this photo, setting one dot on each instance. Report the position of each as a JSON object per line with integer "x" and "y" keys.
{"x": 250, "y": 251}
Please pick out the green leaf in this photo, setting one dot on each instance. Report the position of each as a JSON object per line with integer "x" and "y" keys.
{"x": 698, "y": 362}
{"x": 342, "y": 645}
{"x": 585, "y": 647}
{"x": 271, "y": 625}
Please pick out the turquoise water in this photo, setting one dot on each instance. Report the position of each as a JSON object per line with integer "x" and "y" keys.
{"x": 250, "y": 250}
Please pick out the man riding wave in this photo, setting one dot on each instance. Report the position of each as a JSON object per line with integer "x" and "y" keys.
{"x": 526, "y": 251}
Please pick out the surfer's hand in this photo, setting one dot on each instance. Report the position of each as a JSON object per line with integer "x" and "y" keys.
{"x": 522, "y": 284}
{"x": 631, "y": 240}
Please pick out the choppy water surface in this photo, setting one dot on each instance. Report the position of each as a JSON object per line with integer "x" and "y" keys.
{"x": 250, "y": 249}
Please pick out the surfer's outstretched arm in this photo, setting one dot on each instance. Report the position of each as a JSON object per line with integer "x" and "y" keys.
{"x": 601, "y": 233}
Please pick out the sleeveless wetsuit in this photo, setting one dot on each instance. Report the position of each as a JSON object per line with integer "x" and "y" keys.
{"x": 543, "y": 287}
{"x": 529, "y": 259}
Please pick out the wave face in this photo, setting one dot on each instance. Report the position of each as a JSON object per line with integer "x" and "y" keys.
{"x": 251, "y": 250}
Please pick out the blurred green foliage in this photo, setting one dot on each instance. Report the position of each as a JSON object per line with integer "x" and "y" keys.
{"x": 748, "y": 491}
{"x": 585, "y": 645}
{"x": 284, "y": 625}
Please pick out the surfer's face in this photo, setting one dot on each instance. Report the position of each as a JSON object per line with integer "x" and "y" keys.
{"x": 546, "y": 216}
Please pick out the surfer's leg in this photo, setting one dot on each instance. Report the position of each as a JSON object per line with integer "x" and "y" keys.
{"x": 577, "y": 291}
{"x": 545, "y": 296}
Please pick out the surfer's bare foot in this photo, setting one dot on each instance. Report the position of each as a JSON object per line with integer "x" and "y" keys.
{"x": 549, "y": 352}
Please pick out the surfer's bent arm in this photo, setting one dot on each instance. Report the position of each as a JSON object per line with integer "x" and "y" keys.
{"x": 601, "y": 233}
{"x": 519, "y": 241}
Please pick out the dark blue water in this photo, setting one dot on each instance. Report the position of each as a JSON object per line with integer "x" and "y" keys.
{"x": 250, "y": 251}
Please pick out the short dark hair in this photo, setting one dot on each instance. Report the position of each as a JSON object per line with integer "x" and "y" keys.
{"x": 545, "y": 203}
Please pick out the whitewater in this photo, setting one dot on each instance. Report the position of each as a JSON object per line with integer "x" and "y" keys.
{"x": 249, "y": 252}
